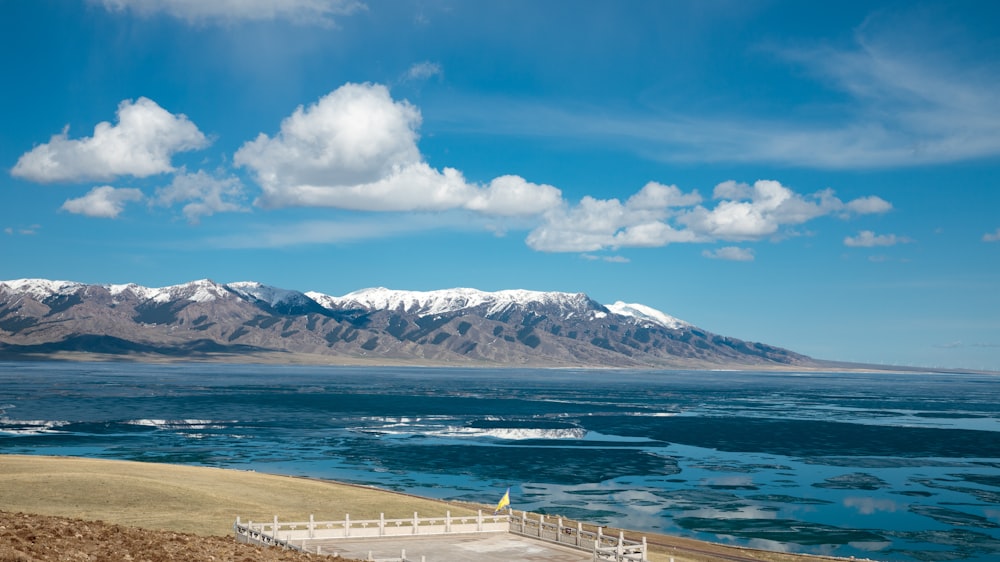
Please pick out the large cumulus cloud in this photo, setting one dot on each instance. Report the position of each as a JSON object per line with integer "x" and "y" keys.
{"x": 141, "y": 144}
{"x": 356, "y": 149}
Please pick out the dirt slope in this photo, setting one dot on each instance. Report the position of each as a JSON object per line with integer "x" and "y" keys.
{"x": 43, "y": 538}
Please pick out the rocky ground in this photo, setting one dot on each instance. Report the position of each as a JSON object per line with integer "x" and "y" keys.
{"x": 40, "y": 538}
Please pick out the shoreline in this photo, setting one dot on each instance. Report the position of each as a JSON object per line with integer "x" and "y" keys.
{"x": 314, "y": 360}
{"x": 206, "y": 500}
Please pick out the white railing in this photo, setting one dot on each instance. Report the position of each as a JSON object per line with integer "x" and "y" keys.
{"x": 298, "y": 534}
{"x": 603, "y": 547}
{"x": 275, "y": 532}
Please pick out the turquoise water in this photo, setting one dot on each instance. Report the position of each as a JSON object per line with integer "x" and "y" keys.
{"x": 891, "y": 467}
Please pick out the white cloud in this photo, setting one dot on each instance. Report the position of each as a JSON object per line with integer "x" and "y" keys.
{"x": 422, "y": 71}
{"x": 869, "y": 205}
{"x": 141, "y": 144}
{"x": 513, "y": 196}
{"x": 659, "y": 215}
{"x": 205, "y": 194}
{"x": 298, "y": 11}
{"x": 992, "y": 236}
{"x": 755, "y": 212}
{"x": 587, "y": 227}
{"x": 105, "y": 202}
{"x": 595, "y": 224}
{"x": 868, "y": 239}
{"x": 356, "y": 149}
{"x": 732, "y": 253}
{"x": 352, "y": 136}
{"x": 655, "y": 195}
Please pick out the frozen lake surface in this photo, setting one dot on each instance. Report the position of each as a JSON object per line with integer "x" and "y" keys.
{"x": 887, "y": 466}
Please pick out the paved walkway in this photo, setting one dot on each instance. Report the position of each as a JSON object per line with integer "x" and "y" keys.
{"x": 493, "y": 547}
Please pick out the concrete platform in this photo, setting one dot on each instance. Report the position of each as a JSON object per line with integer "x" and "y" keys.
{"x": 494, "y": 547}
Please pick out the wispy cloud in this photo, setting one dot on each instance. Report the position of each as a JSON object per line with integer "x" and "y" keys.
{"x": 992, "y": 236}
{"x": 22, "y": 231}
{"x": 962, "y": 345}
{"x": 343, "y": 231}
{"x": 868, "y": 239}
{"x": 731, "y": 253}
{"x": 609, "y": 259}
{"x": 907, "y": 96}
{"x": 423, "y": 71}
{"x": 307, "y": 12}
{"x": 203, "y": 194}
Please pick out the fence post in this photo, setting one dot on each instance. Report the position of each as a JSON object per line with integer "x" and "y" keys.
{"x": 381, "y": 524}
{"x": 447, "y": 521}
{"x": 402, "y": 555}
{"x": 541, "y": 523}
{"x": 416, "y": 523}
{"x": 347, "y": 524}
{"x": 621, "y": 545}
{"x": 643, "y": 548}
{"x": 579, "y": 533}
{"x": 275, "y": 527}
{"x": 558, "y": 528}
{"x": 312, "y": 526}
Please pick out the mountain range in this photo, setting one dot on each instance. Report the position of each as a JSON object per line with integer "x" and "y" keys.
{"x": 254, "y": 322}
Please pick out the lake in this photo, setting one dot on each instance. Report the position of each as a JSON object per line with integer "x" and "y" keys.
{"x": 887, "y": 466}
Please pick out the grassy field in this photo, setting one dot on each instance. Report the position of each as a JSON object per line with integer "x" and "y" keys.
{"x": 203, "y": 501}
{"x": 206, "y": 501}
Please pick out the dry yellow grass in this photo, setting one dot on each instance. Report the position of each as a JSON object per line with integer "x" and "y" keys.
{"x": 198, "y": 500}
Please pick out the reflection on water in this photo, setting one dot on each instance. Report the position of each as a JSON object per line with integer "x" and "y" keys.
{"x": 894, "y": 467}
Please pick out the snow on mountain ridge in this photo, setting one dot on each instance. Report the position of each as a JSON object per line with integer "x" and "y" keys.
{"x": 200, "y": 291}
{"x": 42, "y": 288}
{"x": 379, "y": 298}
{"x": 144, "y": 293}
{"x": 646, "y": 313}
{"x": 451, "y": 300}
{"x": 266, "y": 293}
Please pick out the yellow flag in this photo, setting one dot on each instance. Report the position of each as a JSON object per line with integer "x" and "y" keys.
{"x": 504, "y": 502}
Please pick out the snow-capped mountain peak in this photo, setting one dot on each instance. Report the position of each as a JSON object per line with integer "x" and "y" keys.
{"x": 203, "y": 290}
{"x": 265, "y": 293}
{"x": 42, "y": 288}
{"x": 451, "y": 300}
{"x": 645, "y": 313}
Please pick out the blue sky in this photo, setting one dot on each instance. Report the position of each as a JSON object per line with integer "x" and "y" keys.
{"x": 815, "y": 176}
